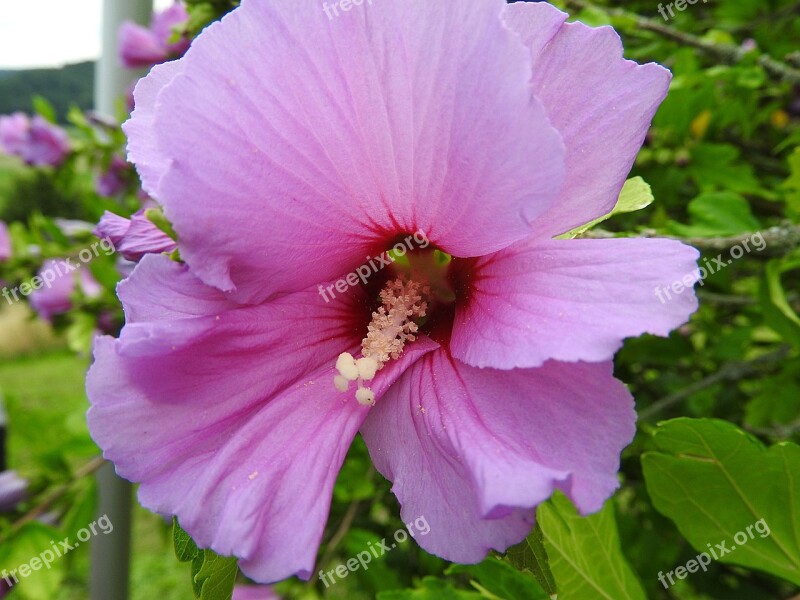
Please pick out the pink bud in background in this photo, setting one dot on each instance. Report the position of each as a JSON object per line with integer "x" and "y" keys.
{"x": 134, "y": 237}
{"x": 61, "y": 278}
{"x": 142, "y": 47}
{"x": 5, "y": 243}
{"x": 112, "y": 181}
{"x": 36, "y": 141}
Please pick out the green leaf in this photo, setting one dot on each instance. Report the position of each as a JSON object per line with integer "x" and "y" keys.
{"x": 430, "y": 588}
{"x": 157, "y": 217}
{"x": 585, "y": 553}
{"x": 42, "y": 107}
{"x": 792, "y": 184}
{"x": 776, "y": 401}
{"x": 530, "y": 555}
{"x": 185, "y": 548}
{"x": 213, "y": 576}
{"x": 635, "y": 195}
{"x": 80, "y": 332}
{"x": 28, "y": 546}
{"x": 778, "y": 312}
{"x": 500, "y": 579}
{"x": 719, "y": 166}
{"x": 216, "y": 577}
{"x": 721, "y": 485}
{"x": 718, "y": 214}
{"x": 82, "y": 507}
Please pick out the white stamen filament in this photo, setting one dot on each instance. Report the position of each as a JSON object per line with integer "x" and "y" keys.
{"x": 391, "y": 327}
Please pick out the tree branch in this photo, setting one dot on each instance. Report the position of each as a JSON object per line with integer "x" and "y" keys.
{"x": 733, "y": 371}
{"x": 778, "y": 240}
{"x": 729, "y": 53}
{"x": 56, "y": 494}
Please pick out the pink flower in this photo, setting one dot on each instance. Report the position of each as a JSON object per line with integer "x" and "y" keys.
{"x": 143, "y": 47}
{"x": 14, "y": 133}
{"x": 5, "y": 243}
{"x": 254, "y": 592}
{"x": 289, "y": 149}
{"x": 134, "y": 237}
{"x": 113, "y": 180}
{"x": 36, "y": 141}
{"x": 61, "y": 280}
{"x": 13, "y": 490}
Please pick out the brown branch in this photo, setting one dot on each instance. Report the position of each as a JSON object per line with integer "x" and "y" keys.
{"x": 57, "y": 493}
{"x": 733, "y": 371}
{"x": 779, "y": 240}
{"x": 725, "y": 299}
{"x": 781, "y": 432}
{"x": 341, "y": 531}
{"x": 728, "y": 53}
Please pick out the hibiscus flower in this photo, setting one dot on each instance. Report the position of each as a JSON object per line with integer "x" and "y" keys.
{"x": 59, "y": 281}
{"x": 288, "y": 149}
{"x": 36, "y": 141}
{"x": 144, "y": 47}
{"x": 134, "y": 237}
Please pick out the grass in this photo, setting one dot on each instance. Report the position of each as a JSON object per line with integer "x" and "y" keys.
{"x": 46, "y": 405}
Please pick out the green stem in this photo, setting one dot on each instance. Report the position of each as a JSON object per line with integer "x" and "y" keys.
{"x": 778, "y": 240}
{"x": 56, "y": 494}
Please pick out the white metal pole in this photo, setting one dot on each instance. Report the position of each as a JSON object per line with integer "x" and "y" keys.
{"x": 112, "y": 81}
{"x": 110, "y": 555}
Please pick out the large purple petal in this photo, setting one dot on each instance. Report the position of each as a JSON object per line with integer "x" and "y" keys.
{"x": 348, "y": 131}
{"x": 600, "y": 103}
{"x": 143, "y": 147}
{"x": 572, "y": 300}
{"x": 475, "y": 450}
{"x": 227, "y": 414}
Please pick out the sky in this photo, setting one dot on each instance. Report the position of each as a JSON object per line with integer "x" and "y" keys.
{"x": 50, "y": 33}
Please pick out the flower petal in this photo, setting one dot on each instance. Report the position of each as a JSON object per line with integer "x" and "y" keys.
{"x": 139, "y": 47}
{"x": 143, "y": 148}
{"x": 600, "y": 103}
{"x": 166, "y": 23}
{"x": 571, "y": 300}
{"x": 47, "y": 145}
{"x": 59, "y": 280}
{"x": 254, "y": 592}
{"x": 13, "y": 490}
{"x": 475, "y": 450}
{"x": 135, "y": 237}
{"x": 5, "y": 242}
{"x": 227, "y": 414}
{"x": 345, "y": 134}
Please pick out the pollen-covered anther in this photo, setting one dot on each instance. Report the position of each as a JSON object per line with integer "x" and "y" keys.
{"x": 393, "y": 323}
{"x": 391, "y": 327}
{"x": 346, "y": 365}
{"x": 365, "y": 397}
{"x": 367, "y": 367}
